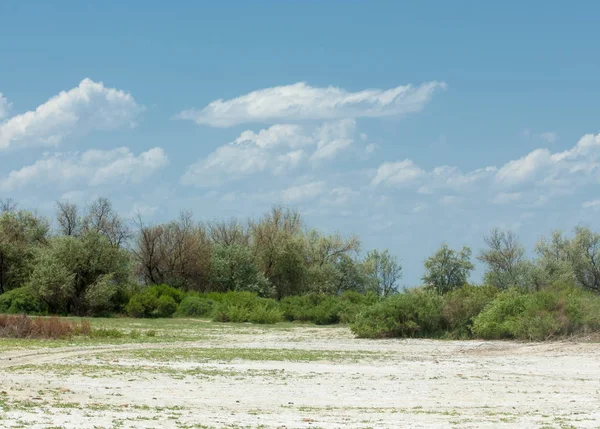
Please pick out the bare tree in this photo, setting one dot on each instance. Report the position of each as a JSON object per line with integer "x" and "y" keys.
{"x": 101, "y": 218}
{"x": 177, "y": 253}
{"x": 69, "y": 221}
{"x": 7, "y": 205}
{"x": 229, "y": 232}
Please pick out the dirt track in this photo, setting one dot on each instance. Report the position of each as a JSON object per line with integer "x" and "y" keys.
{"x": 303, "y": 378}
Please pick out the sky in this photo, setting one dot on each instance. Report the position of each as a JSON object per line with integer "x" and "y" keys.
{"x": 408, "y": 124}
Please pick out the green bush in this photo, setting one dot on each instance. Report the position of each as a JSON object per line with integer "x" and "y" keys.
{"x": 265, "y": 315}
{"x": 408, "y": 314}
{"x": 195, "y": 306}
{"x": 141, "y": 304}
{"x": 165, "y": 306}
{"x": 237, "y": 307}
{"x": 537, "y": 316}
{"x": 462, "y": 305}
{"x": 21, "y": 300}
{"x": 147, "y": 302}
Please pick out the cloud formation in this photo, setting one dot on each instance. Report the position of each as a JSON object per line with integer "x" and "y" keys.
{"x": 549, "y": 173}
{"x": 87, "y": 107}
{"x": 91, "y": 168}
{"x": 277, "y": 150}
{"x": 301, "y": 101}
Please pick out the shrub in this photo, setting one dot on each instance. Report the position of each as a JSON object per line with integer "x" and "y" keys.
{"x": 147, "y": 302}
{"x": 462, "y": 305}
{"x": 537, "y": 316}
{"x": 265, "y": 315}
{"x": 195, "y": 306}
{"x": 408, "y": 314}
{"x": 141, "y": 305}
{"x": 165, "y": 306}
{"x": 237, "y": 307}
{"x": 21, "y": 300}
{"x": 48, "y": 328}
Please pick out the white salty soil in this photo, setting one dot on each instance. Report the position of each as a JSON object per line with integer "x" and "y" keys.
{"x": 303, "y": 377}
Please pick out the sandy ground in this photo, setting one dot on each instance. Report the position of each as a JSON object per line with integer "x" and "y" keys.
{"x": 303, "y": 378}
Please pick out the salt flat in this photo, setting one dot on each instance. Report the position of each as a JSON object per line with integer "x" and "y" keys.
{"x": 290, "y": 376}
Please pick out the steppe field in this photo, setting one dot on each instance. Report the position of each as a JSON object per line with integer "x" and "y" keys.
{"x": 195, "y": 374}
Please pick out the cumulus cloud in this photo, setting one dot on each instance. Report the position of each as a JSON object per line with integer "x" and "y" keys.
{"x": 277, "y": 150}
{"x": 302, "y": 193}
{"x": 90, "y": 106}
{"x": 400, "y": 174}
{"x": 92, "y": 168}
{"x": 301, "y": 101}
{"x": 542, "y": 173}
{"x": 5, "y": 106}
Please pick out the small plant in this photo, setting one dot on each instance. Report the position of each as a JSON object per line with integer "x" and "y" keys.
{"x": 49, "y": 328}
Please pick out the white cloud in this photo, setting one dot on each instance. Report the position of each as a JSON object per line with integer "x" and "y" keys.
{"x": 5, "y": 106}
{"x": 277, "y": 150}
{"x": 339, "y": 196}
{"x": 93, "y": 168}
{"x": 333, "y": 138}
{"x": 525, "y": 168}
{"x": 549, "y": 136}
{"x": 592, "y": 204}
{"x": 539, "y": 176}
{"x": 301, "y": 101}
{"x": 89, "y": 106}
{"x": 402, "y": 173}
{"x": 305, "y": 192}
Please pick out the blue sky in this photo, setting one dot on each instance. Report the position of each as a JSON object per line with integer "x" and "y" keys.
{"x": 407, "y": 124}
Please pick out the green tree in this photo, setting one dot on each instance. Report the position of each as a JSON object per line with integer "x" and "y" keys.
{"x": 448, "y": 269}
{"x": 383, "y": 271}
{"x": 233, "y": 269}
{"x": 21, "y": 234}
{"x": 505, "y": 261}
{"x": 585, "y": 258}
{"x": 80, "y": 275}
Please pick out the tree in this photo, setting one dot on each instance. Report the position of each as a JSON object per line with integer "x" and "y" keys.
{"x": 233, "y": 269}
{"x": 448, "y": 269}
{"x": 505, "y": 260}
{"x": 280, "y": 250}
{"x": 384, "y": 271}
{"x": 102, "y": 219}
{"x": 78, "y": 275}
{"x": 177, "y": 253}
{"x": 21, "y": 234}
{"x": 67, "y": 216}
{"x": 554, "y": 262}
{"x": 585, "y": 257}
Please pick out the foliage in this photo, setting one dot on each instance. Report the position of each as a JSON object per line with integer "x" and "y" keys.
{"x": 233, "y": 269}
{"x": 505, "y": 261}
{"x": 462, "y": 305}
{"x": 408, "y": 314}
{"x": 21, "y": 300}
{"x": 541, "y": 315}
{"x": 448, "y": 269}
{"x": 155, "y": 301}
{"x": 79, "y": 275}
{"x": 384, "y": 272}
{"x": 195, "y": 306}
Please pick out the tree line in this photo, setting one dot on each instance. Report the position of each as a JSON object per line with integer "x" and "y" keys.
{"x": 90, "y": 260}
